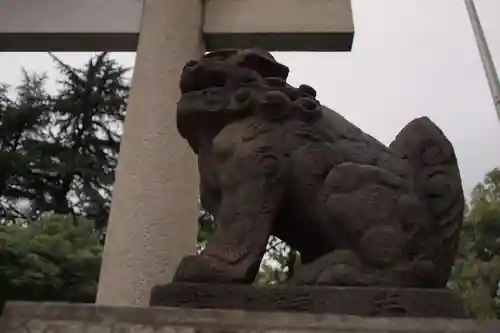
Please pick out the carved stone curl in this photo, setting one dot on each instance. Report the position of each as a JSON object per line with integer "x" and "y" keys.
{"x": 274, "y": 161}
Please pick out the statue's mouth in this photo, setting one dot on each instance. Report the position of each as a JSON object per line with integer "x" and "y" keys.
{"x": 204, "y": 81}
{"x": 203, "y": 90}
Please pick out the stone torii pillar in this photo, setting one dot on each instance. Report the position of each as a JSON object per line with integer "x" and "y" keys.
{"x": 153, "y": 215}
{"x": 153, "y": 212}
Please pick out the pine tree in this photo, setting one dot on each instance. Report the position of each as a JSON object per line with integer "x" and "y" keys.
{"x": 22, "y": 123}
{"x": 88, "y": 114}
{"x": 59, "y": 152}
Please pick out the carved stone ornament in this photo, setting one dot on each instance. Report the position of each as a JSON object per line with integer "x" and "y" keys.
{"x": 274, "y": 161}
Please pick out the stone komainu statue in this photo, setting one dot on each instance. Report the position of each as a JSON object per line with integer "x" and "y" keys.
{"x": 274, "y": 161}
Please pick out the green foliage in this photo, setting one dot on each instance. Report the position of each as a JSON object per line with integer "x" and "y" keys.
{"x": 88, "y": 113}
{"x": 206, "y": 227}
{"x": 58, "y": 153}
{"x": 21, "y": 123}
{"x": 476, "y": 275}
{"x": 279, "y": 263}
{"x": 54, "y": 258}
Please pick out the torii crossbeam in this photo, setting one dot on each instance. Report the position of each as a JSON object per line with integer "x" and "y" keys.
{"x": 113, "y": 25}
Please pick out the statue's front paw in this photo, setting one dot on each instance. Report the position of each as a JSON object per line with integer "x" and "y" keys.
{"x": 200, "y": 269}
{"x": 193, "y": 269}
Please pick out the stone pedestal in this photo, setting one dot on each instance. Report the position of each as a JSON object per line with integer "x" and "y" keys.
{"x": 76, "y": 318}
{"x": 363, "y": 301}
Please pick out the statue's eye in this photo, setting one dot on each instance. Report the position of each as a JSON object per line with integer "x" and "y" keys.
{"x": 216, "y": 57}
{"x": 221, "y": 55}
{"x": 211, "y": 55}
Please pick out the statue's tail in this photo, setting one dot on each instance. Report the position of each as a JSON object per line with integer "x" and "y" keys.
{"x": 438, "y": 184}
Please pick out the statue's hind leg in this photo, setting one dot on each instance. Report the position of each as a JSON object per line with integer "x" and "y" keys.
{"x": 374, "y": 216}
{"x": 337, "y": 268}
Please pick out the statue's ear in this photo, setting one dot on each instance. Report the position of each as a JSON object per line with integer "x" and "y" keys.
{"x": 266, "y": 66}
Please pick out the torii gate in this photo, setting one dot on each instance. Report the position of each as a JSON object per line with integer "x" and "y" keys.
{"x": 152, "y": 223}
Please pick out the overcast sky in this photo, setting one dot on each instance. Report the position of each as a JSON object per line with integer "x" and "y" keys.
{"x": 410, "y": 58}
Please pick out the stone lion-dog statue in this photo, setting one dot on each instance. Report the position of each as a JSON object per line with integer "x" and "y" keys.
{"x": 274, "y": 161}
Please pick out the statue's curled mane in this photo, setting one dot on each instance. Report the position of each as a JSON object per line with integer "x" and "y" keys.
{"x": 228, "y": 85}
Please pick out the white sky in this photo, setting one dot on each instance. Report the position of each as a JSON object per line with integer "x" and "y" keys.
{"x": 410, "y": 58}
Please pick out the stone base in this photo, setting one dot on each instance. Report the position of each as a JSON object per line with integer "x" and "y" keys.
{"x": 362, "y": 301}
{"x": 21, "y": 317}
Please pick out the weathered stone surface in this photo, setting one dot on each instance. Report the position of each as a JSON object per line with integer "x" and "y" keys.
{"x": 148, "y": 186}
{"x": 361, "y": 301}
{"x": 76, "y": 318}
{"x": 274, "y": 161}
